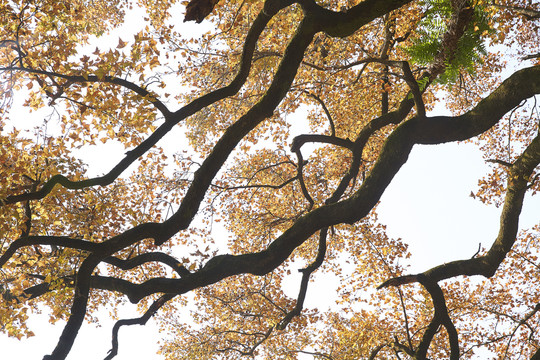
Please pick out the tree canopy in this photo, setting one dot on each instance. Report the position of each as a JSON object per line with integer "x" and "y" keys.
{"x": 365, "y": 74}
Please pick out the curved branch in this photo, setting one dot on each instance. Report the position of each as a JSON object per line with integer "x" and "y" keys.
{"x": 376, "y": 351}
{"x": 300, "y": 140}
{"x": 156, "y": 305}
{"x": 203, "y": 177}
{"x": 394, "y": 117}
{"x": 349, "y": 210}
{"x": 440, "y": 317}
{"x": 139, "y": 90}
{"x": 342, "y": 24}
{"x": 171, "y": 119}
{"x": 487, "y": 264}
{"x": 393, "y": 155}
{"x": 300, "y": 177}
{"x": 77, "y": 311}
{"x": 415, "y": 89}
{"x": 325, "y": 109}
{"x": 306, "y": 274}
{"x": 459, "y": 21}
{"x": 108, "y": 283}
{"x": 148, "y": 257}
{"x": 523, "y": 84}
{"x": 31, "y": 292}
{"x": 62, "y": 241}
{"x": 263, "y": 109}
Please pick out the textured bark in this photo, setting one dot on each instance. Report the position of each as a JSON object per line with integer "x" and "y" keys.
{"x": 409, "y": 131}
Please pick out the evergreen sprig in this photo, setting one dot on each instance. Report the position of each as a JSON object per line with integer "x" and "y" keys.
{"x": 427, "y": 43}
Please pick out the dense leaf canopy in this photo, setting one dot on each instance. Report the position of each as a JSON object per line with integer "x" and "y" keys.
{"x": 363, "y": 74}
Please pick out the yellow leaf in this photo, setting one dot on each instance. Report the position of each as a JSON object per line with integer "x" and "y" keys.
{"x": 100, "y": 73}
{"x": 121, "y": 44}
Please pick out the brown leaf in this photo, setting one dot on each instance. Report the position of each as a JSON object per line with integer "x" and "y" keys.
{"x": 199, "y": 9}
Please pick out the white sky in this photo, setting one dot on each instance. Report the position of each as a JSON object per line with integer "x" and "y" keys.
{"x": 427, "y": 205}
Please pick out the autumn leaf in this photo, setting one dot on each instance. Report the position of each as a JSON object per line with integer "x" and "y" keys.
{"x": 121, "y": 44}
{"x": 202, "y": 177}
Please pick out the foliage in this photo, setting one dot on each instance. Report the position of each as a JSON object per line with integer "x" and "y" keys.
{"x": 239, "y": 203}
{"x": 470, "y": 48}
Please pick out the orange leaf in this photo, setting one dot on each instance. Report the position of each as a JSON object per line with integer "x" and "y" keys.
{"x": 121, "y": 44}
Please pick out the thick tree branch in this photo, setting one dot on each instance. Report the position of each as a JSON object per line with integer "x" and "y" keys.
{"x": 300, "y": 177}
{"x": 415, "y": 89}
{"x": 148, "y": 257}
{"x": 203, "y": 177}
{"x": 306, "y": 274}
{"x": 393, "y": 117}
{"x": 62, "y": 241}
{"x": 352, "y": 209}
{"x": 456, "y": 28}
{"x": 536, "y": 355}
{"x": 519, "y": 174}
{"x": 277, "y": 90}
{"x": 417, "y": 130}
{"x": 343, "y": 24}
{"x": 487, "y": 264}
{"x": 440, "y": 317}
{"x": 171, "y": 120}
{"x": 78, "y": 309}
{"x": 108, "y": 283}
{"x": 393, "y": 155}
{"x": 300, "y": 140}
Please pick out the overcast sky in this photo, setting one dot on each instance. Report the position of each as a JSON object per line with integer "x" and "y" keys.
{"x": 427, "y": 205}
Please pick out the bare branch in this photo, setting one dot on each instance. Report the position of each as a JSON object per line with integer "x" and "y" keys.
{"x": 156, "y": 305}
{"x": 171, "y": 120}
{"x": 326, "y": 111}
{"x": 306, "y": 274}
{"x": 71, "y": 79}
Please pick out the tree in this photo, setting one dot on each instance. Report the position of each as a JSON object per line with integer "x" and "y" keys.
{"x": 366, "y": 72}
